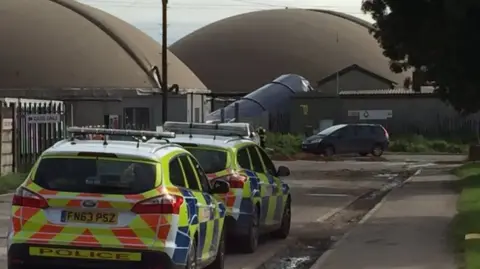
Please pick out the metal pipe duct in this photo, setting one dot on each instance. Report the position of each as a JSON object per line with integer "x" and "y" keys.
{"x": 273, "y": 97}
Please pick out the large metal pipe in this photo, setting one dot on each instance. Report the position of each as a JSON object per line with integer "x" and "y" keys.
{"x": 273, "y": 97}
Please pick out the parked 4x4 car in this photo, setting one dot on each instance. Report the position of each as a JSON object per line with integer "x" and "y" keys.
{"x": 363, "y": 139}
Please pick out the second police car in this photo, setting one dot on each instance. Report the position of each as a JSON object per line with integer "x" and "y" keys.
{"x": 117, "y": 204}
{"x": 259, "y": 201}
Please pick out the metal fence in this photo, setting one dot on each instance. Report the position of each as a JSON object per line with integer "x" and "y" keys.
{"x": 37, "y": 127}
{"x": 450, "y": 128}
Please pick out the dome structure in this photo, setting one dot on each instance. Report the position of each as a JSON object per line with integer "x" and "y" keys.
{"x": 244, "y": 52}
{"x": 48, "y": 45}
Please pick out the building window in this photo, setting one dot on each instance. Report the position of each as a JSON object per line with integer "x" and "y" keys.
{"x": 137, "y": 118}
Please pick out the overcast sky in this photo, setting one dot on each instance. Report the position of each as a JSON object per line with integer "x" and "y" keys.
{"x": 185, "y": 16}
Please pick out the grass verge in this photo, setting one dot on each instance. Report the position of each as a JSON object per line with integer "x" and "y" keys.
{"x": 467, "y": 220}
{"x": 10, "y": 182}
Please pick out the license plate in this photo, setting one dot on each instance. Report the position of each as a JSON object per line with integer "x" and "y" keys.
{"x": 84, "y": 254}
{"x": 89, "y": 217}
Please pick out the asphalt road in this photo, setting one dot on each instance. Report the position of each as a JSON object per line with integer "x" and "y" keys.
{"x": 318, "y": 190}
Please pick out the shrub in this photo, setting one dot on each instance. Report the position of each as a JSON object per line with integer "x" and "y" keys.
{"x": 418, "y": 143}
{"x": 284, "y": 144}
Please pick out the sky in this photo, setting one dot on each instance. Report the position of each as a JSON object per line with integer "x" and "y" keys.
{"x": 186, "y": 16}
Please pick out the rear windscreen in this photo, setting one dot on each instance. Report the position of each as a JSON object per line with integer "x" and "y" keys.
{"x": 93, "y": 175}
{"x": 211, "y": 160}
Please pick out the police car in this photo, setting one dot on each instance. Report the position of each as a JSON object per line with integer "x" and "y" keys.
{"x": 259, "y": 201}
{"x": 117, "y": 204}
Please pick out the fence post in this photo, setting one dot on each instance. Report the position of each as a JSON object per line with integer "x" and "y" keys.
{"x": 237, "y": 112}
{"x": 1, "y": 137}
{"x": 15, "y": 132}
{"x": 222, "y": 115}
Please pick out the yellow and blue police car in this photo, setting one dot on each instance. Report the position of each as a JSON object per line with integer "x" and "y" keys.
{"x": 259, "y": 201}
{"x": 117, "y": 204}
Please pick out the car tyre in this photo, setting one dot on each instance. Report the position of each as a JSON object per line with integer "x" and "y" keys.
{"x": 219, "y": 262}
{"x": 192, "y": 256}
{"x": 329, "y": 151}
{"x": 249, "y": 243}
{"x": 377, "y": 150}
{"x": 284, "y": 230}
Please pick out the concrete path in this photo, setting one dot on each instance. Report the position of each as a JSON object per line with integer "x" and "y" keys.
{"x": 408, "y": 231}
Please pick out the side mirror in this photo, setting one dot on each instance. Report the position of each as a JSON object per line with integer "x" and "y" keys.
{"x": 220, "y": 187}
{"x": 283, "y": 171}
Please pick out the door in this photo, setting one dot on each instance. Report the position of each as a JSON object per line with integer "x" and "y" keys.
{"x": 365, "y": 138}
{"x": 278, "y": 193}
{"x": 204, "y": 206}
{"x": 212, "y": 203}
{"x": 267, "y": 188}
{"x": 344, "y": 140}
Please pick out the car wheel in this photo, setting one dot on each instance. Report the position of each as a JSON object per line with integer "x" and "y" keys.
{"x": 363, "y": 154}
{"x": 249, "y": 243}
{"x": 219, "y": 262}
{"x": 284, "y": 230}
{"x": 192, "y": 256}
{"x": 329, "y": 151}
{"x": 377, "y": 151}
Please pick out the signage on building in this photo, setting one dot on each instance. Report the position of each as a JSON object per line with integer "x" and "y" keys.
{"x": 43, "y": 118}
{"x": 371, "y": 114}
{"x": 7, "y": 124}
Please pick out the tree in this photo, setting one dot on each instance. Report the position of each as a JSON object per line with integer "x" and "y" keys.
{"x": 439, "y": 37}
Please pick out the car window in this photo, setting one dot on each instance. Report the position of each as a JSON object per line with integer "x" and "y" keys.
{"x": 201, "y": 175}
{"x": 256, "y": 162}
{"x": 363, "y": 131}
{"x": 190, "y": 173}
{"x": 95, "y": 175}
{"x": 331, "y": 130}
{"x": 378, "y": 131}
{"x": 268, "y": 163}
{"x": 243, "y": 159}
{"x": 346, "y": 132}
{"x": 211, "y": 160}
{"x": 176, "y": 173}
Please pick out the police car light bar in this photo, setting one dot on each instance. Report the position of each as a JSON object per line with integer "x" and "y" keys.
{"x": 222, "y": 129}
{"x": 118, "y": 132}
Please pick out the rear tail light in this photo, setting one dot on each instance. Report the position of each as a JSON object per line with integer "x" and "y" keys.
{"x": 236, "y": 181}
{"x": 165, "y": 204}
{"x": 24, "y": 197}
{"x": 386, "y": 133}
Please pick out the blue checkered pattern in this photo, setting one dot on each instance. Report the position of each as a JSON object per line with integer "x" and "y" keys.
{"x": 182, "y": 241}
{"x": 254, "y": 182}
{"x": 222, "y": 209}
{"x": 191, "y": 205}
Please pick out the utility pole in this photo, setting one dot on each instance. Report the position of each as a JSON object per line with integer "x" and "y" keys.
{"x": 164, "y": 62}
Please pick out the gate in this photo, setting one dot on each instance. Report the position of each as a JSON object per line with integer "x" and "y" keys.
{"x": 37, "y": 126}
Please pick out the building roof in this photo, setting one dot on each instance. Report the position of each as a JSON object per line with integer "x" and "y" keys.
{"x": 244, "y": 52}
{"x": 50, "y": 46}
{"x": 425, "y": 91}
{"x": 347, "y": 69}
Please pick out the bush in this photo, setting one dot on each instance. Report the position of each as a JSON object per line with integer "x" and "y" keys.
{"x": 284, "y": 144}
{"x": 11, "y": 181}
{"x": 418, "y": 143}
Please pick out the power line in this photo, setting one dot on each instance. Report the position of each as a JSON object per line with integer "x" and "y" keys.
{"x": 245, "y": 4}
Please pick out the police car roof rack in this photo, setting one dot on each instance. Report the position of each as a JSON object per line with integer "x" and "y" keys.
{"x": 137, "y": 134}
{"x": 217, "y": 129}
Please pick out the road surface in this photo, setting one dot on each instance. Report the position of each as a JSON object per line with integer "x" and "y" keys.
{"x": 318, "y": 190}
